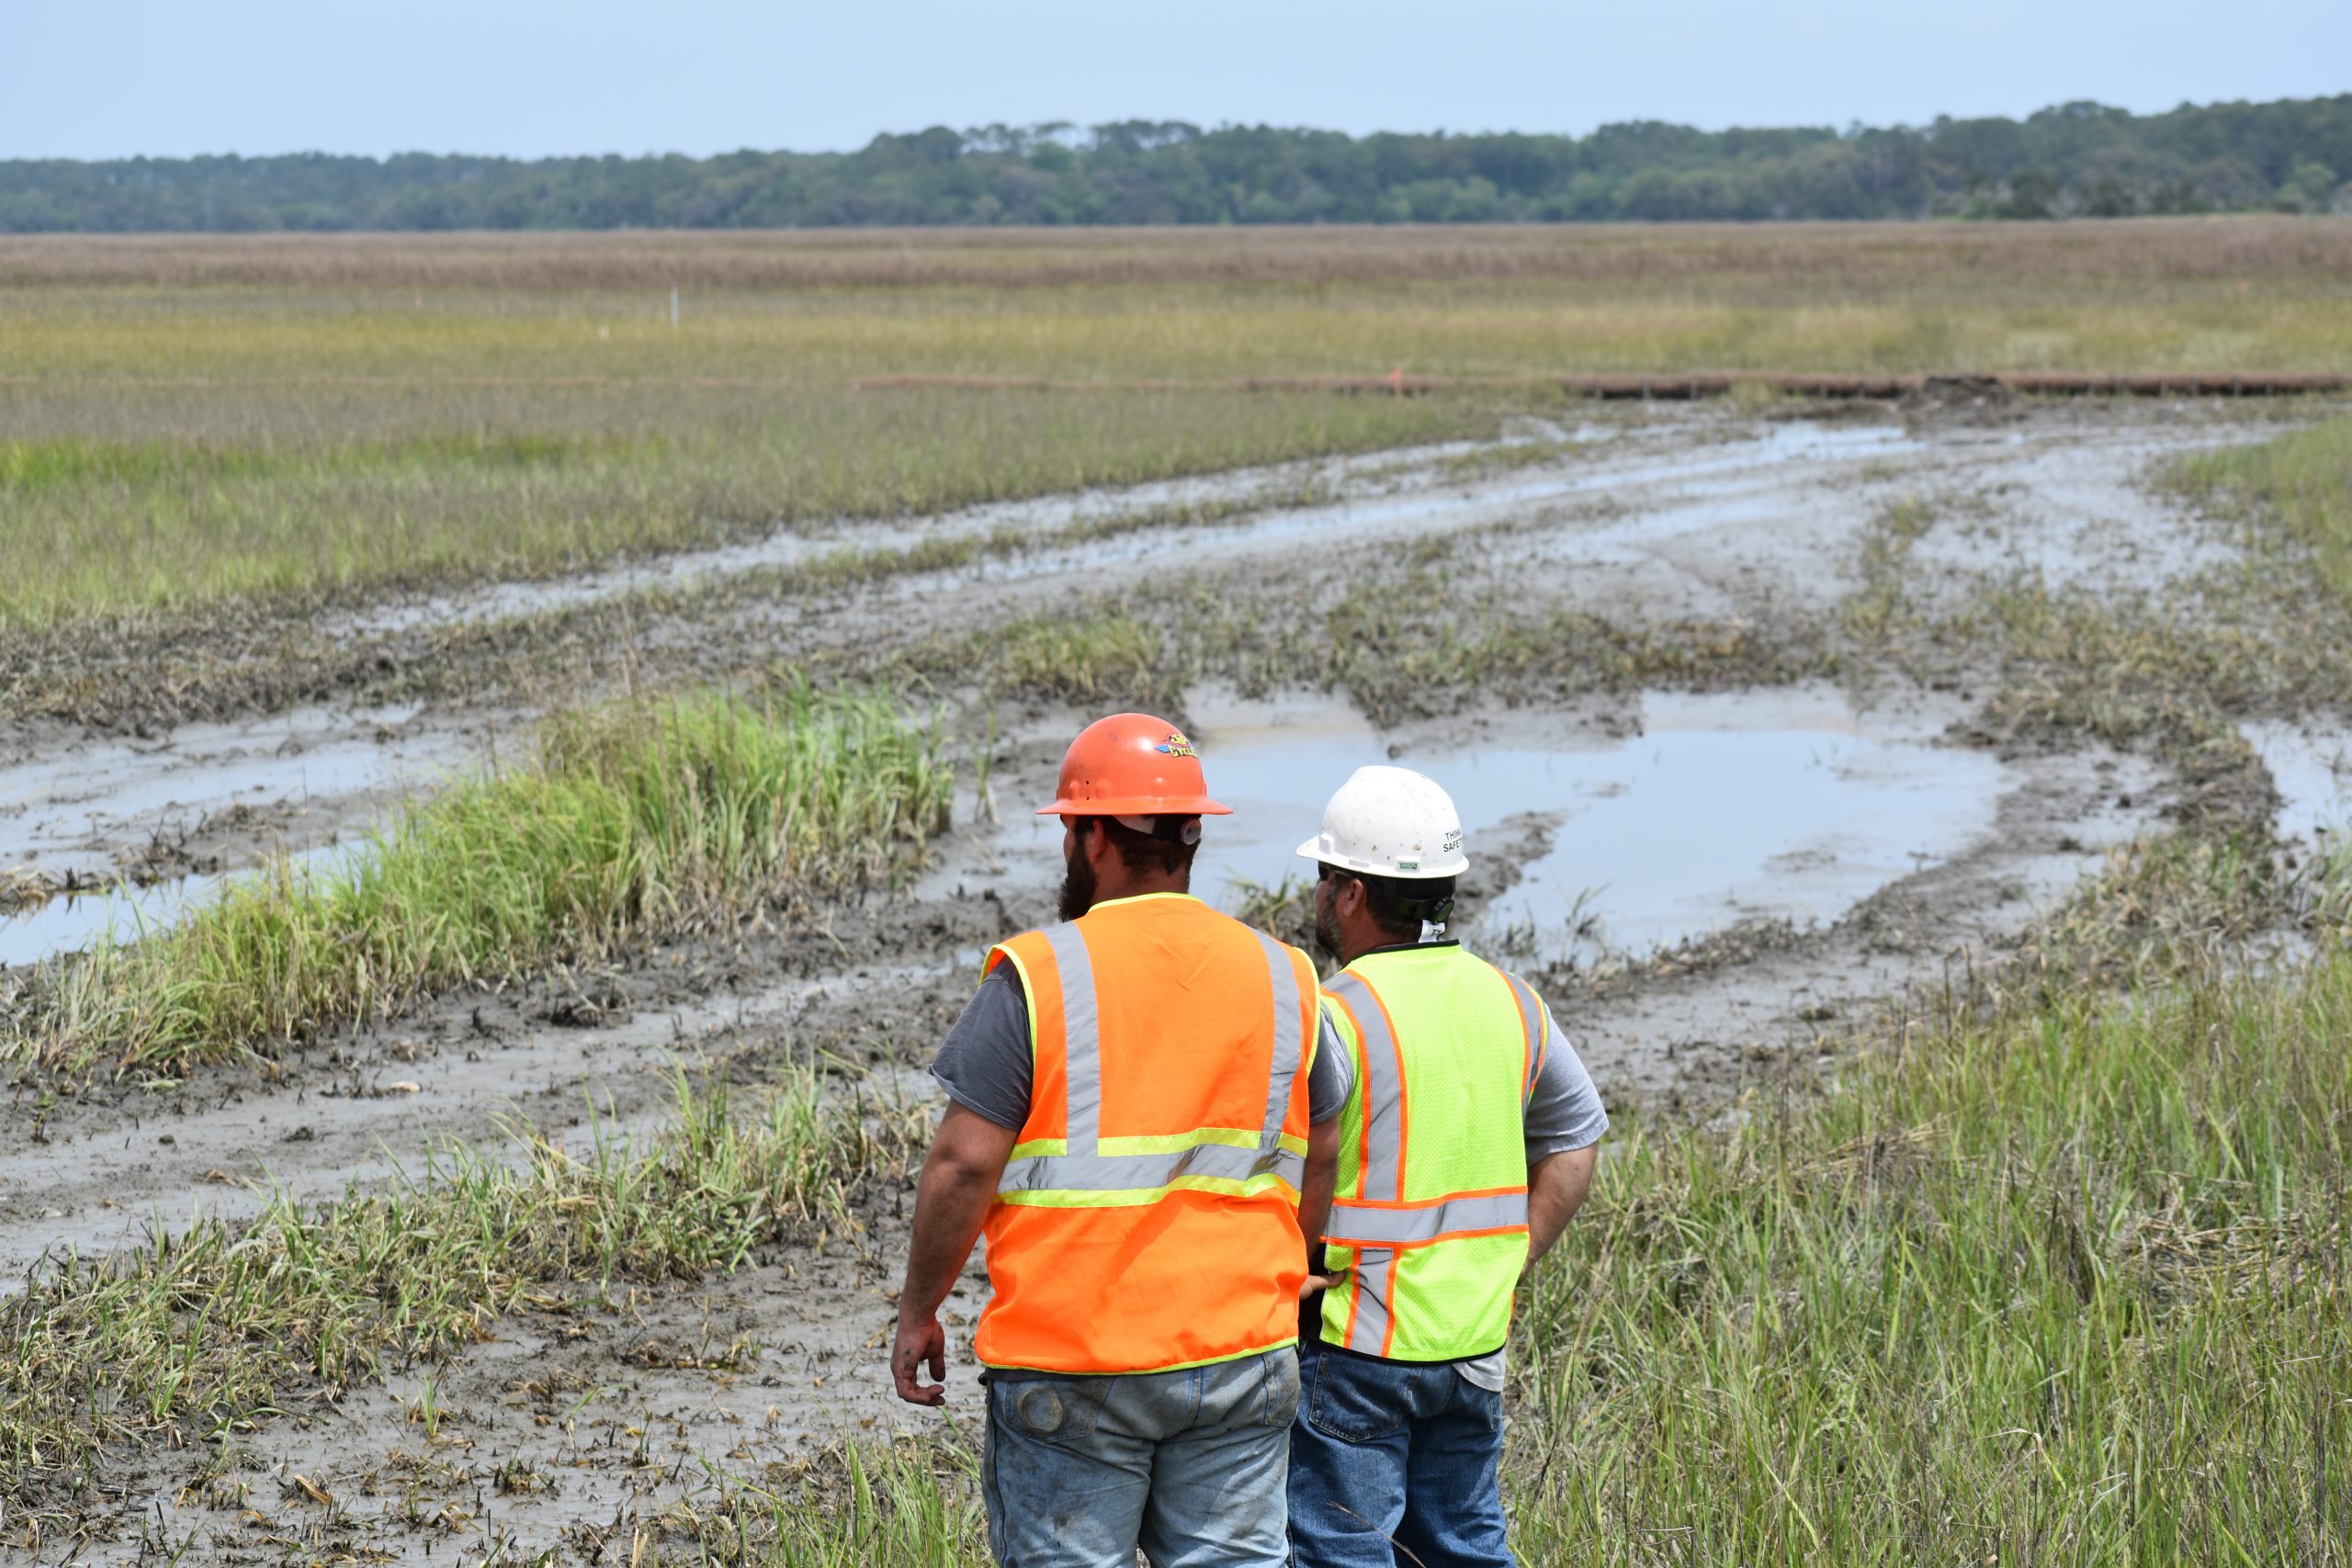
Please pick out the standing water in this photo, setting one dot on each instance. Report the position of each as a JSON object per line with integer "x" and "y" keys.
{"x": 1725, "y": 808}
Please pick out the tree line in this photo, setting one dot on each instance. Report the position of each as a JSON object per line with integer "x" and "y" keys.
{"x": 2074, "y": 160}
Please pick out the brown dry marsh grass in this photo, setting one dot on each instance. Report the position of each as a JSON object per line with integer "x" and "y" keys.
{"x": 1807, "y": 258}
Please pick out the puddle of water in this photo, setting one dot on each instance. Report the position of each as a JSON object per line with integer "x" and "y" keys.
{"x": 1690, "y": 828}
{"x": 68, "y": 808}
{"x": 69, "y": 924}
{"x": 1724, "y": 808}
{"x": 2314, "y": 773}
{"x": 1728, "y": 807}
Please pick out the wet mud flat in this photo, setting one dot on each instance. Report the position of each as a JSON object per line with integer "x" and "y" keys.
{"x": 1706, "y": 879}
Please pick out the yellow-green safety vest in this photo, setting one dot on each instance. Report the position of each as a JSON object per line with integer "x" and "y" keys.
{"x": 1429, "y": 1216}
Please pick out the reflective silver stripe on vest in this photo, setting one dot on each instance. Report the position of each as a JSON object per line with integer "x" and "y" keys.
{"x": 1383, "y": 1088}
{"x": 1085, "y": 1168}
{"x": 1145, "y": 1173}
{"x": 1357, "y": 1224}
{"x": 1369, "y": 1333}
{"x": 1082, "y": 1031}
{"x": 1530, "y": 1012}
{"x": 1290, "y": 1035}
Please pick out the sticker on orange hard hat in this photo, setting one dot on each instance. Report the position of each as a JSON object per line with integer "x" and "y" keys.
{"x": 1176, "y": 745}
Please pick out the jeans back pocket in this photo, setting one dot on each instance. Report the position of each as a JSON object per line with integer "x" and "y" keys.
{"x": 1355, "y": 1399}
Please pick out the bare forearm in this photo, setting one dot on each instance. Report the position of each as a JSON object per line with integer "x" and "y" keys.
{"x": 951, "y": 1208}
{"x": 1556, "y": 1187}
{"x": 1322, "y": 1175}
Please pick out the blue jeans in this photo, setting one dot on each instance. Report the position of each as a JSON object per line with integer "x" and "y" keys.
{"x": 1081, "y": 1471}
{"x": 1391, "y": 1458}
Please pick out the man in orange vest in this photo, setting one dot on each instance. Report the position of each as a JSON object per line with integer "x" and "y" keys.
{"x": 1143, "y": 1126}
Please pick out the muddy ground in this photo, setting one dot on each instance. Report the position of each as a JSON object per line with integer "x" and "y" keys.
{"x": 1709, "y": 876}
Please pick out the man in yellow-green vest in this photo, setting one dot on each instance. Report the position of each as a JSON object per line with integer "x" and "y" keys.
{"x": 1467, "y": 1141}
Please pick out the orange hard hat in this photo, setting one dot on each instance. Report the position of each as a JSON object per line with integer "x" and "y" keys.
{"x": 1132, "y": 764}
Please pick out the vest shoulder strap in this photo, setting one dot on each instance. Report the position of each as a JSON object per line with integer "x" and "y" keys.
{"x": 1534, "y": 1020}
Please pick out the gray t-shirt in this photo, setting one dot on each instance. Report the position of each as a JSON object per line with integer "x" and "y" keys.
{"x": 984, "y": 1063}
{"x": 1564, "y": 1110}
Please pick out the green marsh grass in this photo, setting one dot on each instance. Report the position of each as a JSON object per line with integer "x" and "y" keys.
{"x": 2302, "y": 479}
{"x": 358, "y": 495}
{"x": 636, "y": 818}
{"x": 276, "y": 420}
{"x": 204, "y": 1333}
{"x": 910, "y": 1505}
{"x": 2065, "y": 1284}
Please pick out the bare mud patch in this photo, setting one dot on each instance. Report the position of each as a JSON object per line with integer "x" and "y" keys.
{"x": 598, "y": 1431}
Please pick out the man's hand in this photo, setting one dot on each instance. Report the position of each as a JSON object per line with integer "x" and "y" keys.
{"x": 1315, "y": 1285}
{"x": 959, "y": 1177}
{"x": 921, "y": 1343}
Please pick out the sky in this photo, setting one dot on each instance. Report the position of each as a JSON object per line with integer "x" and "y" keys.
{"x": 533, "y": 78}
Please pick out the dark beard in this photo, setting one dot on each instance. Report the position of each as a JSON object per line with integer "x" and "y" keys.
{"x": 1078, "y": 887}
{"x": 1327, "y": 924}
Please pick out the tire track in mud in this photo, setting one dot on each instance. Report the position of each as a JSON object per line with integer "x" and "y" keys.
{"x": 1695, "y": 518}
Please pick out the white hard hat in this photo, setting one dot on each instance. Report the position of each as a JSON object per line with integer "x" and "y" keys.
{"x": 1390, "y": 822}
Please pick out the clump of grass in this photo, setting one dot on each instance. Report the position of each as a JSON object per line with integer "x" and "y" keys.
{"x": 2302, "y": 479}
{"x": 1884, "y": 595}
{"x": 1108, "y": 655}
{"x": 2177, "y": 668}
{"x": 205, "y": 1332}
{"x": 1509, "y": 457}
{"x": 644, "y": 817}
{"x": 1284, "y": 909}
{"x": 2189, "y": 902}
{"x": 2176, "y": 902}
{"x": 909, "y": 1505}
{"x": 1399, "y": 645}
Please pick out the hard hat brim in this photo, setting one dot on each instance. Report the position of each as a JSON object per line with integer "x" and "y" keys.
{"x": 1314, "y": 850}
{"x": 1138, "y": 806}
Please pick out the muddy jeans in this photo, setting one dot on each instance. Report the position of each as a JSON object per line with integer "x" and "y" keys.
{"x": 1191, "y": 1466}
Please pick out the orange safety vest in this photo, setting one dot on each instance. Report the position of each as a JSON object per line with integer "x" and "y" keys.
{"x": 1147, "y": 1219}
